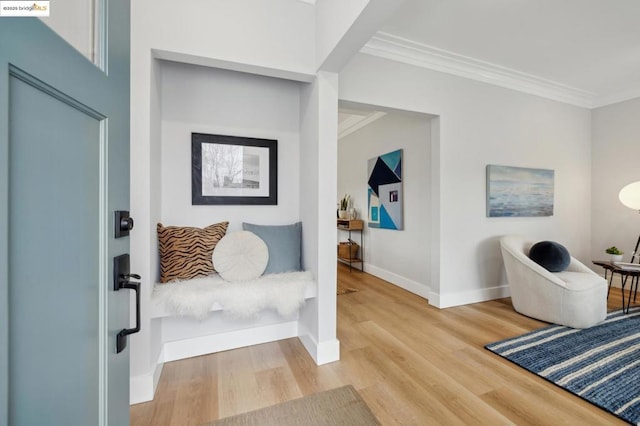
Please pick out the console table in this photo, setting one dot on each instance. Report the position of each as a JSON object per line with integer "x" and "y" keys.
{"x": 352, "y": 225}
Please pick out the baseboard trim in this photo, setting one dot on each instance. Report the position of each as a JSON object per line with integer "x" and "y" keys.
{"x": 449, "y": 300}
{"x": 323, "y": 352}
{"x": 414, "y": 287}
{"x": 438, "y": 300}
{"x": 142, "y": 388}
{"x": 187, "y": 348}
{"x": 157, "y": 373}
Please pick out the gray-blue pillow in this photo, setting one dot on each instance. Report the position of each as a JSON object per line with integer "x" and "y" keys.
{"x": 284, "y": 243}
{"x": 552, "y": 256}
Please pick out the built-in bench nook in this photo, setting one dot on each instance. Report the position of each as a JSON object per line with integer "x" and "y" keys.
{"x": 207, "y": 315}
{"x": 221, "y": 291}
{"x": 181, "y": 99}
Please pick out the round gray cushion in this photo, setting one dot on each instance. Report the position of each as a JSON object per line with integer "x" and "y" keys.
{"x": 552, "y": 256}
{"x": 240, "y": 256}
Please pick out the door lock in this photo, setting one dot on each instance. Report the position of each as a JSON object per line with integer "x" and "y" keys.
{"x": 123, "y": 223}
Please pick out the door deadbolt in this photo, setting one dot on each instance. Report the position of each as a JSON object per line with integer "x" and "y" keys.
{"x": 123, "y": 223}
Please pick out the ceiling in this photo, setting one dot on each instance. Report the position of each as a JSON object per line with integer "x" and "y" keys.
{"x": 584, "y": 52}
{"x": 352, "y": 119}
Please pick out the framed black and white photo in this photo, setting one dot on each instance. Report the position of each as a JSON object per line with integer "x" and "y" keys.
{"x": 233, "y": 170}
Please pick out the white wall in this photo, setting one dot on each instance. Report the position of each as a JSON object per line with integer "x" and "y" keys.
{"x": 333, "y": 19}
{"x": 273, "y": 38}
{"x": 616, "y": 150}
{"x": 74, "y": 20}
{"x": 318, "y": 162}
{"x": 144, "y": 203}
{"x": 277, "y": 34}
{"x": 401, "y": 257}
{"x": 277, "y": 39}
{"x": 344, "y": 27}
{"x": 481, "y": 124}
{"x": 207, "y": 100}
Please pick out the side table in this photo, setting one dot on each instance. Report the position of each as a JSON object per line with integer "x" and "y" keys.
{"x": 352, "y": 225}
{"x": 624, "y": 275}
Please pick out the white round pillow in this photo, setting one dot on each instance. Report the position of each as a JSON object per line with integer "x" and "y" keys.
{"x": 240, "y": 256}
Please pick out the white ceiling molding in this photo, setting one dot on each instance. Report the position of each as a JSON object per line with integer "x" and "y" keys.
{"x": 313, "y": 2}
{"x": 400, "y": 49}
{"x": 356, "y": 120}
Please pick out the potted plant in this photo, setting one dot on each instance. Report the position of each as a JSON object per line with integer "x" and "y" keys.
{"x": 344, "y": 206}
{"x": 614, "y": 253}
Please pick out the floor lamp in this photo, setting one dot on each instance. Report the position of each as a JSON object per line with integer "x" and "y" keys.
{"x": 630, "y": 197}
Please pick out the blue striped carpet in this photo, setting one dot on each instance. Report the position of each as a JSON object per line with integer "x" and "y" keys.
{"x": 600, "y": 364}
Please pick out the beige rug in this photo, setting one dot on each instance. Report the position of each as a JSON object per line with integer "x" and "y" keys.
{"x": 341, "y": 406}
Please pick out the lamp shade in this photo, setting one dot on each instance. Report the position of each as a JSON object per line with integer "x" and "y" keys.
{"x": 630, "y": 195}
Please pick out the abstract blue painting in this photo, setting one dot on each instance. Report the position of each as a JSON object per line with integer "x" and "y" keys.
{"x": 385, "y": 191}
{"x": 519, "y": 192}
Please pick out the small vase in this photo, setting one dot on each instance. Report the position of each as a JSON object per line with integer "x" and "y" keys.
{"x": 615, "y": 257}
{"x": 343, "y": 214}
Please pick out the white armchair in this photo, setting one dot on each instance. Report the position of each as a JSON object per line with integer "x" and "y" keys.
{"x": 575, "y": 297}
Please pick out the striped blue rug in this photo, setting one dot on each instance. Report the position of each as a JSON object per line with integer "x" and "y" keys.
{"x": 600, "y": 364}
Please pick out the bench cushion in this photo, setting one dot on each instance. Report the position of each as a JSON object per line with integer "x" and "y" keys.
{"x": 240, "y": 256}
{"x": 185, "y": 251}
{"x": 284, "y": 293}
{"x": 284, "y": 243}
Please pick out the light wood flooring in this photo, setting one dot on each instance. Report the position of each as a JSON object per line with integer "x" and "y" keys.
{"x": 413, "y": 365}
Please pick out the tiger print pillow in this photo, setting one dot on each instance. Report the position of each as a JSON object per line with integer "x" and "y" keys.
{"x": 185, "y": 252}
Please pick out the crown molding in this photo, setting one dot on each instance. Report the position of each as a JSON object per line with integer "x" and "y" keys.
{"x": 400, "y": 49}
{"x": 357, "y": 122}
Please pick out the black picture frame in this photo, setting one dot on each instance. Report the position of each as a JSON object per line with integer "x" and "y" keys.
{"x": 233, "y": 170}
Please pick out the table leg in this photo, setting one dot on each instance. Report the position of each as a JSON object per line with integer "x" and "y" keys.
{"x": 633, "y": 288}
{"x": 610, "y": 282}
{"x": 624, "y": 283}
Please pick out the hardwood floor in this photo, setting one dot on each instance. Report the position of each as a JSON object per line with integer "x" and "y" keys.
{"x": 413, "y": 365}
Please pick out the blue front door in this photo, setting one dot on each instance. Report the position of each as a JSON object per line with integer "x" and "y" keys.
{"x": 64, "y": 170}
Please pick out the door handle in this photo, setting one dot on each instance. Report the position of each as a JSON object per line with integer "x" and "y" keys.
{"x": 121, "y": 280}
{"x": 121, "y": 338}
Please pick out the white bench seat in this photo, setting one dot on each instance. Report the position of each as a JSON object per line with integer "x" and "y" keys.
{"x": 222, "y": 324}
{"x": 284, "y": 293}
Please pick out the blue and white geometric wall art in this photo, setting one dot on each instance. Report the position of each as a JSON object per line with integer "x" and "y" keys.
{"x": 519, "y": 192}
{"x": 385, "y": 197}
